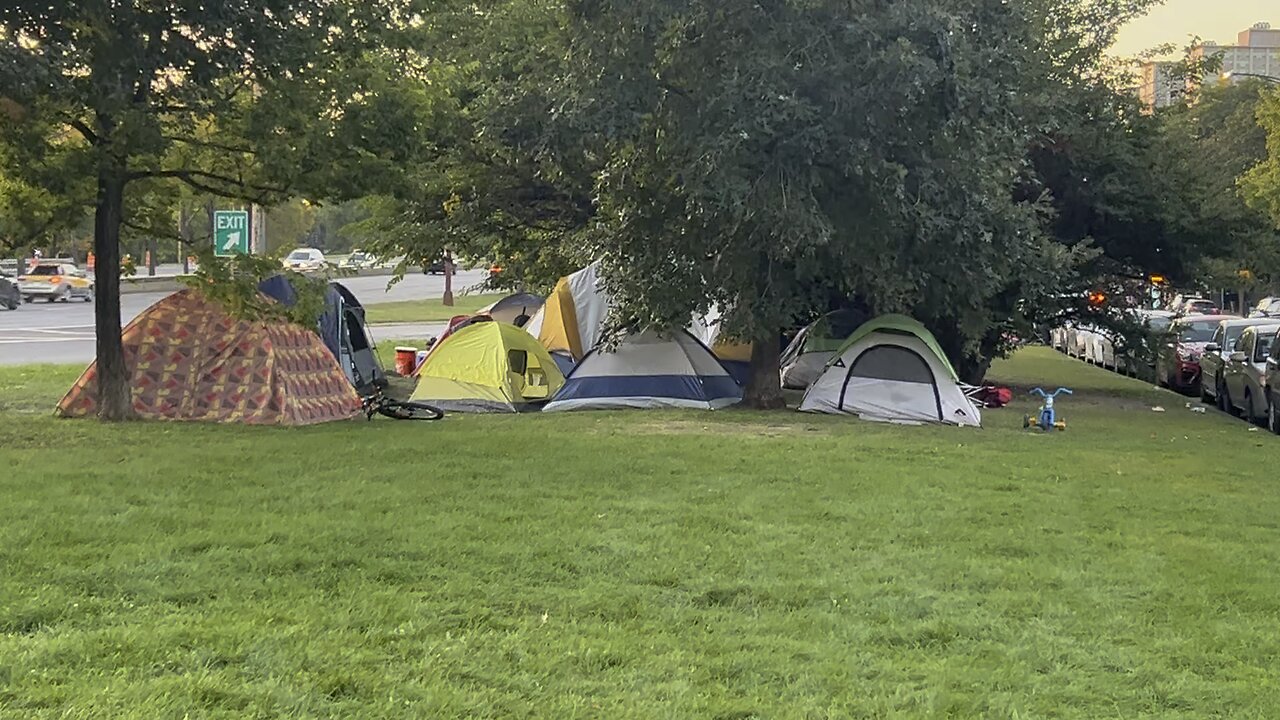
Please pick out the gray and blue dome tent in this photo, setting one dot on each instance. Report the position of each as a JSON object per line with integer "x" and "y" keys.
{"x": 341, "y": 327}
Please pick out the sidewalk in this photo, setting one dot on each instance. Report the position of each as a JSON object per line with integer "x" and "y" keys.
{"x": 407, "y": 331}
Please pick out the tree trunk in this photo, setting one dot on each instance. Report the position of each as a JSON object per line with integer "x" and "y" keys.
{"x": 973, "y": 371}
{"x": 184, "y": 232}
{"x": 115, "y": 398}
{"x": 764, "y": 387}
{"x": 447, "y": 300}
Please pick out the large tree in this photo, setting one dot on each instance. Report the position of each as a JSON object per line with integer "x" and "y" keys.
{"x": 761, "y": 155}
{"x": 963, "y": 161}
{"x": 1261, "y": 184}
{"x": 248, "y": 101}
{"x": 495, "y": 186}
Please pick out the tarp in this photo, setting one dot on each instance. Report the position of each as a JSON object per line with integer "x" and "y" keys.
{"x": 649, "y": 370}
{"x": 188, "y": 359}
{"x": 478, "y": 369}
{"x": 517, "y": 309}
{"x": 892, "y": 370}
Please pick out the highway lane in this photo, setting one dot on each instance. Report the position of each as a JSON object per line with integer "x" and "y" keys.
{"x": 63, "y": 332}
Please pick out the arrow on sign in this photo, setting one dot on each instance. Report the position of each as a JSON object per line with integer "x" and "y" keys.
{"x": 232, "y": 242}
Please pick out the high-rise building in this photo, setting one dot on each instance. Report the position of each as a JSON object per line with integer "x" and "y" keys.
{"x": 1159, "y": 86}
{"x": 1256, "y": 52}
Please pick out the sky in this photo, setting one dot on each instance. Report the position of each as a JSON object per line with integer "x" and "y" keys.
{"x": 1176, "y": 20}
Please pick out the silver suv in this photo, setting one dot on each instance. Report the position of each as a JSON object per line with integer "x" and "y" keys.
{"x": 1213, "y": 363}
{"x": 1246, "y": 382}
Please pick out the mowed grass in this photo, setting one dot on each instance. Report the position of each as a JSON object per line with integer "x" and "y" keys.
{"x": 642, "y": 564}
{"x": 433, "y": 310}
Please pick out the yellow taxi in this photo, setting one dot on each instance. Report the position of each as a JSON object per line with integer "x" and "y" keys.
{"x": 55, "y": 281}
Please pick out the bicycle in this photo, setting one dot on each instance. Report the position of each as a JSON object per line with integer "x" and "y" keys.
{"x": 373, "y": 401}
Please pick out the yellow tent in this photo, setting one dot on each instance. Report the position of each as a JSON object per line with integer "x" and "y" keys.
{"x": 488, "y": 367}
{"x": 559, "y": 330}
{"x": 571, "y": 321}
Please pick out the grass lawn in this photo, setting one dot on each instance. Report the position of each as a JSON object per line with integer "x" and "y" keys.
{"x": 433, "y": 310}
{"x": 642, "y": 565}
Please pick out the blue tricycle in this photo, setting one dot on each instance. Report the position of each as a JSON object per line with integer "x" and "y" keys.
{"x": 1047, "y": 420}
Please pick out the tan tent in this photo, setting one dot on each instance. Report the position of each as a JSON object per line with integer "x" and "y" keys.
{"x": 572, "y": 320}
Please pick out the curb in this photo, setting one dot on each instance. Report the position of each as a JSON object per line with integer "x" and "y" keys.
{"x": 171, "y": 283}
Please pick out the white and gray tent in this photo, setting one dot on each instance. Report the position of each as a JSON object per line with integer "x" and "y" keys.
{"x": 892, "y": 370}
{"x": 807, "y": 355}
{"x": 648, "y": 370}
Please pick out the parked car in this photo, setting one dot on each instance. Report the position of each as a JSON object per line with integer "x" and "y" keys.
{"x": 1272, "y": 377}
{"x": 437, "y": 266}
{"x": 358, "y": 259}
{"x": 1078, "y": 340}
{"x": 1058, "y": 338}
{"x": 55, "y": 282}
{"x": 1214, "y": 360}
{"x": 1178, "y": 356}
{"x": 1140, "y": 359}
{"x": 1111, "y": 348}
{"x": 1266, "y": 307}
{"x": 10, "y": 296}
{"x": 1198, "y": 306}
{"x": 1245, "y": 390}
{"x": 304, "y": 260}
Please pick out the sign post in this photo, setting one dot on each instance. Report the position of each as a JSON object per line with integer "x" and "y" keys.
{"x": 231, "y": 233}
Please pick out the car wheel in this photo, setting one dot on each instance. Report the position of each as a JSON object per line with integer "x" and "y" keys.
{"x": 28, "y": 299}
{"x": 1232, "y": 410}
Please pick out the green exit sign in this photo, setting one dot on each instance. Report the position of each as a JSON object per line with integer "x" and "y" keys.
{"x": 230, "y": 233}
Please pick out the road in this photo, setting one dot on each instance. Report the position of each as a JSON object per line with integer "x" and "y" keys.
{"x": 63, "y": 333}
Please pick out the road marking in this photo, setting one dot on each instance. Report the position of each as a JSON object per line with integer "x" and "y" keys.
{"x": 66, "y": 332}
{"x": 47, "y": 328}
{"x": 32, "y": 341}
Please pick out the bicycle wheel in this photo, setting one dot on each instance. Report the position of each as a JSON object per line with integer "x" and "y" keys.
{"x": 409, "y": 410}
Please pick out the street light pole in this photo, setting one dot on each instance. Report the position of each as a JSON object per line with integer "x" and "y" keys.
{"x": 1268, "y": 78}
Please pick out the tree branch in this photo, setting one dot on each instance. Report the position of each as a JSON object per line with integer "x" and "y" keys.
{"x": 165, "y": 234}
{"x": 35, "y": 233}
{"x": 208, "y": 144}
{"x": 89, "y": 135}
{"x": 206, "y": 181}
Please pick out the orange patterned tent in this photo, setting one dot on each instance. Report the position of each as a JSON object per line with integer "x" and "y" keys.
{"x": 190, "y": 360}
